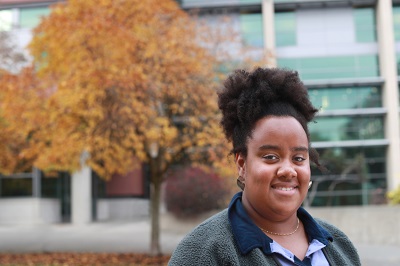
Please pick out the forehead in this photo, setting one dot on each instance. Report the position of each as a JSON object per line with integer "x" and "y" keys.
{"x": 279, "y": 130}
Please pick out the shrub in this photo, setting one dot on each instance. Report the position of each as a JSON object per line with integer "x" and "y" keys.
{"x": 394, "y": 196}
{"x": 192, "y": 190}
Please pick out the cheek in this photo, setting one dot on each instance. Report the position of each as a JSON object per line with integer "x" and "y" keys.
{"x": 304, "y": 174}
{"x": 261, "y": 175}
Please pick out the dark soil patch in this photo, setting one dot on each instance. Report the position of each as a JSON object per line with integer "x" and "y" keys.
{"x": 78, "y": 259}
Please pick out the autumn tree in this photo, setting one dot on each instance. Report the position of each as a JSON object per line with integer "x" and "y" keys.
{"x": 127, "y": 82}
{"x": 14, "y": 104}
{"x": 12, "y": 141}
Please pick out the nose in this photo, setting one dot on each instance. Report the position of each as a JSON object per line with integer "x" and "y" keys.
{"x": 286, "y": 171}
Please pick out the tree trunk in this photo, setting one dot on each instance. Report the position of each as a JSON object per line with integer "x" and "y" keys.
{"x": 155, "y": 195}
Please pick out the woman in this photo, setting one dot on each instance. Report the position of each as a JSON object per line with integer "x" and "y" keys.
{"x": 265, "y": 116}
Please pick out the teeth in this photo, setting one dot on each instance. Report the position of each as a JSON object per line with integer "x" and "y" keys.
{"x": 285, "y": 188}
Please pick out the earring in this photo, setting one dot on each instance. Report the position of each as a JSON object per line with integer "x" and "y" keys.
{"x": 240, "y": 182}
{"x": 309, "y": 184}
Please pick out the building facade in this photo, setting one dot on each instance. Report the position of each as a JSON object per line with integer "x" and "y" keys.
{"x": 347, "y": 53}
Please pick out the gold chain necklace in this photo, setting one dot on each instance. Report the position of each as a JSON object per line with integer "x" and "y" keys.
{"x": 279, "y": 234}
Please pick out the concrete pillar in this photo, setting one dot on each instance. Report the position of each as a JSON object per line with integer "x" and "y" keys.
{"x": 388, "y": 70}
{"x": 81, "y": 194}
{"x": 268, "y": 11}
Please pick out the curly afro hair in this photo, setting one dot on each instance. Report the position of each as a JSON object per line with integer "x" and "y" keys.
{"x": 247, "y": 97}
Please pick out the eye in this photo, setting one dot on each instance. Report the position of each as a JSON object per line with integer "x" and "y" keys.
{"x": 299, "y": 159}
{"x": 270, "y": 157}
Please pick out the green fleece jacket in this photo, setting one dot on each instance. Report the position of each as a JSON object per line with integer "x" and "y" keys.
{"x": 213, "y": 243}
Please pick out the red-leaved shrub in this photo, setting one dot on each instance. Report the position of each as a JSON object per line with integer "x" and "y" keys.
{"x": 191, "y": 191}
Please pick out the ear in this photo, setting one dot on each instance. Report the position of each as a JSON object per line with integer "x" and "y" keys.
{"x": 240, "y": 164}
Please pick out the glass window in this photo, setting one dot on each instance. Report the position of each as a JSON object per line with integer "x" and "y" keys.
{"x": 398, "y": 62}
{"x": 100, "y": 185}
{"x": 285, "y": 29}
{"x": 396, "y": 22}
{"x": 16, "y": 187}
{"x": 5, "y": 19}
{"x": 50, "y": 187}
{"x": 354, "y": 176}
{"x": 346, "y": 128}
{"x": 364, "y": 20}
{"x": 252, "y": 29}
{"x": 346, "y": 98}
{"x": 333, "y": 67}
{"x": 30, "y": 17}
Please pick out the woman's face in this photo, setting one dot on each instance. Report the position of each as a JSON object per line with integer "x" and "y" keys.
{"x": 276, "y": 171}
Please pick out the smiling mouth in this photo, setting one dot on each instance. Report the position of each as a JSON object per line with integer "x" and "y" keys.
{"x": 285, "y": 188}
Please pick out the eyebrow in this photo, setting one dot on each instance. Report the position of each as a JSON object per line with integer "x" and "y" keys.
{"x": 275, "y": 147}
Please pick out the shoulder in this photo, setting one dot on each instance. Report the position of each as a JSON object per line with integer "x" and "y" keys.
{"x": 220, "y": 219}
{"x": 333, "y": 230}
{"x": 210, "y": 243}
{"x": 339, "y": 237}
{"x": 329, "y": 227}
{"x": 216, "y": 226}
{"x": 341, "y": 250}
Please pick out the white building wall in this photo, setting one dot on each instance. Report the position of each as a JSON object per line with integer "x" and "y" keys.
{"x": 122, "y": 209}
{"x": 29, "y": 211}
{"x": 364, "y": 224}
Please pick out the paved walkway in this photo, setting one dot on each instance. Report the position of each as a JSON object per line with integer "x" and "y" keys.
{"x": 132, "y": 236}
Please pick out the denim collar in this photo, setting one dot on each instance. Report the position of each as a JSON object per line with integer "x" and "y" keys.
{"x": 248, "y": 236}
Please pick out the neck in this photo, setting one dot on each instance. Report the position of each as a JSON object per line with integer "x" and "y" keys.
{"x": 281, "y": 233}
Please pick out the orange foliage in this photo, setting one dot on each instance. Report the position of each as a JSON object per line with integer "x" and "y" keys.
{"x": 126, "y": 75}
{"x": 19, "y": 96}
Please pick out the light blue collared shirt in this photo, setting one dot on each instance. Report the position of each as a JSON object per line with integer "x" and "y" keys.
{"x": 314, "y": 254}
{"x": 248, "y": 237}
